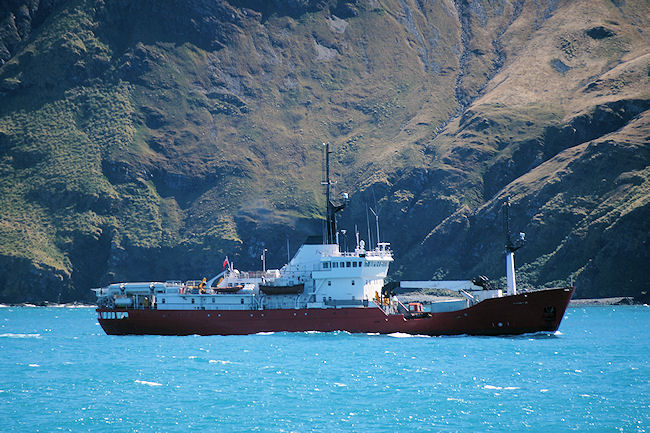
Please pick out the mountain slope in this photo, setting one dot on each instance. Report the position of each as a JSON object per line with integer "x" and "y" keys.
{"x": 146, "y": 140}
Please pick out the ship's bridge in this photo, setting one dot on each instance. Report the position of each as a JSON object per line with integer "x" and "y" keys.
{"x": 352, "y": 276}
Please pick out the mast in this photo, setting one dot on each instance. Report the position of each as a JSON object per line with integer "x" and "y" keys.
{"x": 332, "y": 209}
{"x": 511, "y": 247}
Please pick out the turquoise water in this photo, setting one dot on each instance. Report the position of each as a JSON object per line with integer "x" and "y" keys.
{"x": 60, "y": 372}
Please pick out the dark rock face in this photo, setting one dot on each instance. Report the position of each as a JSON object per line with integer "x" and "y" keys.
{"x": 207, "y": 24}
{"x": 17, "y": 20}
{"x": 600, "y": 32}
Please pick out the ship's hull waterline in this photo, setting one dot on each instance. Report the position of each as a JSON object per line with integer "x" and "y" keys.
{"x": 538, "y": 311}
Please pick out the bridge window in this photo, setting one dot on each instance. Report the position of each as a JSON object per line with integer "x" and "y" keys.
{"x": 347, "y": 264}
{"x": 326, "y": 265}
{"x": 354, "y": 264}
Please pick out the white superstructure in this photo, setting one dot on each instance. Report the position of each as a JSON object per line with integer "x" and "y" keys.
{"x": 320, "y": 275}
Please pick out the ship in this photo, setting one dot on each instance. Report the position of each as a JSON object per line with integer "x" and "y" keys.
{"x": 325, "y": 289}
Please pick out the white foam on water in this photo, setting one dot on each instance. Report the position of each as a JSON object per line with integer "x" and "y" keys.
{"x": 146, "y": 382}
{"x": 34, "y": 365}
{"x": 400, "y": 335}
{"x": 491, "y": 387}
{"x": 10, "y": 335}
{"x": 218, "y": 361}
{"x": 339, "y": 384}
{"x": 265, "y": 333}
{"x": 543, "y": 390}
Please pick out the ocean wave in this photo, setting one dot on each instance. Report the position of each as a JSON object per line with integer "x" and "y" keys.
{"x": 72, "y": 305}
{"x": 9, "y": 335}
{"x": 218, "y": 361}
{"x": 404, "y": 335}
{"x": 508, "y": 388}
{"x": 146, "y": 382}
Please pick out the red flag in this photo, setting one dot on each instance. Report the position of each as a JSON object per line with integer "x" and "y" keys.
{"x": 225, "y": 262}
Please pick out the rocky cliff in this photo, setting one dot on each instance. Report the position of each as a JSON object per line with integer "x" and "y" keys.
{"x": 147, "y": 140}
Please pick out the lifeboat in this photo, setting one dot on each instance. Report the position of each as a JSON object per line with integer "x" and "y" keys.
{"x": 282, "y": 290}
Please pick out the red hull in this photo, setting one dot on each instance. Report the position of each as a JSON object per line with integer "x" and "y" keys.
{"x": 524, "y": 313}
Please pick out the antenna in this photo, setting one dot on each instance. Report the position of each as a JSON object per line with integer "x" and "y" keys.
{"x": 288, "y": 256}
{"x": 376, "y": 221}
{"x": 356, "y": 233}
{"x": 368, "y": 224}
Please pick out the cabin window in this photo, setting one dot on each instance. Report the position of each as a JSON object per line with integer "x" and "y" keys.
{"x": 213, "y": 300}
{"x": 192, "y": 300}
{"x": 335, "y": 265}
{"x": 324, "y": 299}
{"x": 163, "y": 301}
{"x": 354, "y": 264}
{"x": 347, "y": 264}
{"x": 326, "y": 265}
{"x": 353, "y": 282}
{"x": 329, "y": 283}
{"x": 242, "y": 300}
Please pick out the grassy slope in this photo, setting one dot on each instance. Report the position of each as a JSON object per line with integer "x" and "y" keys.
{"x": 580, "y": 219}
{"x": 145, "y": 154}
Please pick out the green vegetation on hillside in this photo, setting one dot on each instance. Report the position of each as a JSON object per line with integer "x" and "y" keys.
{"x": 141, "y": 140}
